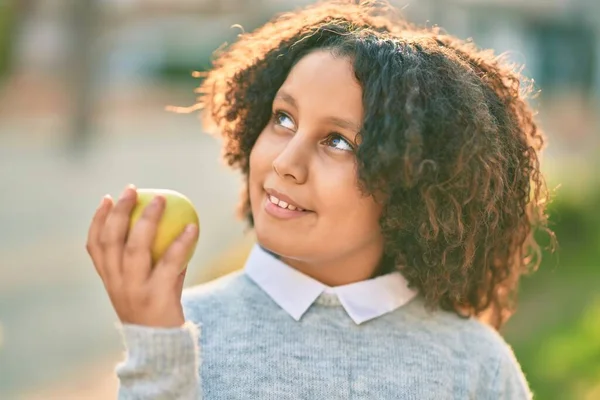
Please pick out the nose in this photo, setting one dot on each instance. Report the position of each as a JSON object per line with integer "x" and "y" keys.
{"x": 292, "y": 161}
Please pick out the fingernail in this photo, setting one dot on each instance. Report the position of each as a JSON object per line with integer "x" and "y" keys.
{"x": 190, "y": 229}
{"x": 127, "y": 192}
{"x": 104, "y": 199}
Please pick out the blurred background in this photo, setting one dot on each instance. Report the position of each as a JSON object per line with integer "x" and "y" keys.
{"x": 84, "y": 86}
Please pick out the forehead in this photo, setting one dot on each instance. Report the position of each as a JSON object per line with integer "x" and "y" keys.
{"x": 327, "y": 82}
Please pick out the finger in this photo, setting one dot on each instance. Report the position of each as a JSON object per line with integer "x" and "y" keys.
{"x": 169, "y": 268}
{"x": 138, "y": 256}
{"x": 114, "y": 233}
{"x": 93, "y": 238}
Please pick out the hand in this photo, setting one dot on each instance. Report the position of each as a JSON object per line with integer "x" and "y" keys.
{"x": 140, "y": 293}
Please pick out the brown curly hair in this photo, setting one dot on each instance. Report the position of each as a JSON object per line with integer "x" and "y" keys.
{"x": 448, "y": 144}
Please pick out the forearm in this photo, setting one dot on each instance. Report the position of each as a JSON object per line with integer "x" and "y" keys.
{"x": 160, "y": 363}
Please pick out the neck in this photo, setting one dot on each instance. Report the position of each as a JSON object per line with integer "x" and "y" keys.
{"x": 352, "y": 267}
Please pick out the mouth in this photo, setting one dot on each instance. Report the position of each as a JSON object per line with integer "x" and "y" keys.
{"x": 282, "y": 207}
{"x": 282, "y": 201}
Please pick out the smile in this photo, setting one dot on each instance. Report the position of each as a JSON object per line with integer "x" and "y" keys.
{"x": 283, "y": 204}
{"x": 283, "y": 207}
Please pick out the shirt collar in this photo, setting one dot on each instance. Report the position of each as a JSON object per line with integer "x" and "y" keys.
{"x": 295, "y": 292}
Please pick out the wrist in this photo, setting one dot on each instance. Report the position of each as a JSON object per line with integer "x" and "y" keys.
{"x": 161, "y": 347}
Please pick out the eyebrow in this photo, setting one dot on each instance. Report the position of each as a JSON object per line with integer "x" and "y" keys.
{"x": 287, "y": 98}
{"x": 340, "y": 122}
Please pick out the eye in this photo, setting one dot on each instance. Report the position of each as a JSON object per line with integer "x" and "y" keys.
{"x": 338, "y": 142}
{"x": 283, "y": 120}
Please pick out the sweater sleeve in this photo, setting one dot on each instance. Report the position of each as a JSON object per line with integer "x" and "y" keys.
{"x": 510, "y": 382}
{"x": 160, "y": 363}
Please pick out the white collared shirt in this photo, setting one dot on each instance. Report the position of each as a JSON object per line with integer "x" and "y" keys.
{"x": 295, "y": 292}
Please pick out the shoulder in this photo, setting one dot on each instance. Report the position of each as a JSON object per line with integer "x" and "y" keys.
{"x": 508, "y": 380}
{"x": 478, "y": 346}
{"x": 470, "y": 346}
{"x": 469, "y": 335}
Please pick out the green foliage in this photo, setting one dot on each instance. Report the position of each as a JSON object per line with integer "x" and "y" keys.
{"x": 572, "y": 354}
{"x": 556, "y": 331}
{"x": 7, "y": 25}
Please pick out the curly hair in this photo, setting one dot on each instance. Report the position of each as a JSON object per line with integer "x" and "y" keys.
{"x": 448, "y": 144}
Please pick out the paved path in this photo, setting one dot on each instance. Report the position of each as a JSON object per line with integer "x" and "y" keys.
{"x": 55, "y": 320}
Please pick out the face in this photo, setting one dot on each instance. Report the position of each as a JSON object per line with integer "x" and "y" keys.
{"x": 306, "y": 204}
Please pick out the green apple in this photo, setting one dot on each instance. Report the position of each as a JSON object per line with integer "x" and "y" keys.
{"x": 178, "y": 213}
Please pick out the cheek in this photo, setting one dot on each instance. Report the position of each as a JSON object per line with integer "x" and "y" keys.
{"x": 359, "y": 223}
{"x": 263, "y": 152}
{"x": 349, "y": 208}
{"x": 260, "y": 165}
{"x": 350, "y": 220}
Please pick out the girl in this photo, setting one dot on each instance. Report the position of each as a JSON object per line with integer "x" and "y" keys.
{"x": 393, "y": 184}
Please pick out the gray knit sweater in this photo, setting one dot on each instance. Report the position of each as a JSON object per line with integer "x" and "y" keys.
{"x": 238, "y": 344}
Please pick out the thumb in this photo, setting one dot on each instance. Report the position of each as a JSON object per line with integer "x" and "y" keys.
{"x": 180, "y": 281}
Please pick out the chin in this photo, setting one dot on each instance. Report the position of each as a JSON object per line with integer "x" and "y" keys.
{"x": 279, "y": 238}
{"x": 278, "y": 244}
{"x": 269, "y": 240}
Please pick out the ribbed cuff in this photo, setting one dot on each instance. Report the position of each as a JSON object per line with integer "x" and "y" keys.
{"x": 161, "y": 349}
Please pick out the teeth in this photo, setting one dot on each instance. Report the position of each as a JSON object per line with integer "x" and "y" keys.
{"x": 283, "y": 204}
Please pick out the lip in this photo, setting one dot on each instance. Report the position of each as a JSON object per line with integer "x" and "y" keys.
{"x": 282, "y": 213}
{"x": 287, "y": 199}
